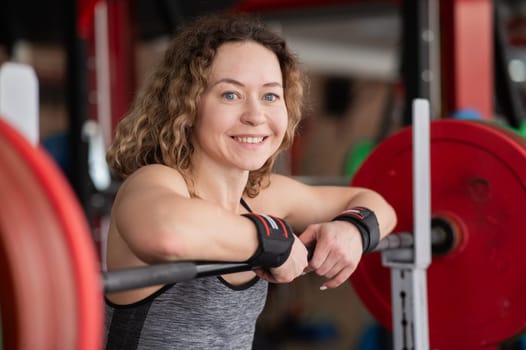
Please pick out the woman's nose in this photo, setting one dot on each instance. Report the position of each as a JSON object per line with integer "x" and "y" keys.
{"x": 253, "y": 113}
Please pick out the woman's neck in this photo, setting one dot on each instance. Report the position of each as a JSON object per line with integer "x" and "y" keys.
{"x": 224, "y": 189}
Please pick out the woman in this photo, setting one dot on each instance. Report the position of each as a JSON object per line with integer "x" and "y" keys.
{"x": 196, "y": 153}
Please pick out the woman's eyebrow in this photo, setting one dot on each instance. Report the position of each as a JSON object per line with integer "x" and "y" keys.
{"x": 229, "y": 81}
{"x": 238, "y": 83}
{"x": 272, "y": 84}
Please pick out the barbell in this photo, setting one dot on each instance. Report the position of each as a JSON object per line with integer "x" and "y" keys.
{"x": 51, "y": 294}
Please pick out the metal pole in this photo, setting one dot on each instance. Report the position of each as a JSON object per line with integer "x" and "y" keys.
{"x": 408, "y": 266}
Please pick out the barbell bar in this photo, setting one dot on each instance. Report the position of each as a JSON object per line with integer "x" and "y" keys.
{"x": 180, "y": 271}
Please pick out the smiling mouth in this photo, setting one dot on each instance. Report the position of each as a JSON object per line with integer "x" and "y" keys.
{"x": 251, "y": 140}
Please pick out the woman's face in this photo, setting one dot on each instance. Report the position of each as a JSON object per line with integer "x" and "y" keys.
{"x": 242, "y": 115}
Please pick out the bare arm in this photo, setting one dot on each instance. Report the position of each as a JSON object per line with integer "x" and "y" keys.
{"x": 302, "y": 205}
{"x": 158, "y": 221}
{"x": 310, "y": 210}
{"x": 155, "y": 220}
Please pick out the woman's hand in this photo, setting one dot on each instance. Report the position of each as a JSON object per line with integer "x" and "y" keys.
{"x": 337, "y": 253}
{"x": 293, "y": 267}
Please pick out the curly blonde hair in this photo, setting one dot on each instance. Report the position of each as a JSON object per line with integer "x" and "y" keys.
{"x": 157, "y": 129}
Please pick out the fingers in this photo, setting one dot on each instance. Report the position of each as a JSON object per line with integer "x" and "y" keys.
{"x": 335, "y": 257}
{"x": 321, "y": 253}
{"x": 292, "y": 268}
{"x": 331, "y": 268}
{"x": 265, "y": 275}
{"x": 332, "y": 262}
{"x": 341, "y": 277}
{"x": 308, "y": 237}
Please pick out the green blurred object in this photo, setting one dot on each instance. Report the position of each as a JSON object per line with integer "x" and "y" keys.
{"x": 359, "y": 152}
{"x": 522, "y": 129}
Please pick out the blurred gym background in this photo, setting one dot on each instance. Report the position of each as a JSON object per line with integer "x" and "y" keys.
{"x": 366, "y": 61}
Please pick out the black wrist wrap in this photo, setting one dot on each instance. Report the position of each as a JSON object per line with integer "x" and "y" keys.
{"x": 365, "y": 221}
{"x": 275, "y": 241}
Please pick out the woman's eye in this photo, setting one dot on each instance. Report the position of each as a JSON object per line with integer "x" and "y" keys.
{"x": 229, "y": 95}
{"x": 270, "y": 97}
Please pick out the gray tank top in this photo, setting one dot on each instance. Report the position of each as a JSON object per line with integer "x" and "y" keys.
{"x": 204, "y": 313}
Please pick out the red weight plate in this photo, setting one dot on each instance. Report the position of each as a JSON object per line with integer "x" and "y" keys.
{"x": 50, "y": 296}
{"x": 476, "y": 292}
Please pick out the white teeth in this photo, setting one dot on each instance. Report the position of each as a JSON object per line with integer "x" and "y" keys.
{"x": 249, "y": 139}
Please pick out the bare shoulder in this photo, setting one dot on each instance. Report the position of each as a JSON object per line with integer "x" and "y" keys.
{"x": 282, "y": 182}
{"x": 145, "y": 196}
{"x": 279, "y": 196}
{"x": 280, "y": 185}
{"x": 150, "y": 178}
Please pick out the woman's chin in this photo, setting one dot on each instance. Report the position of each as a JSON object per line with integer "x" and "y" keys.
{"x": 254, "y": 166}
